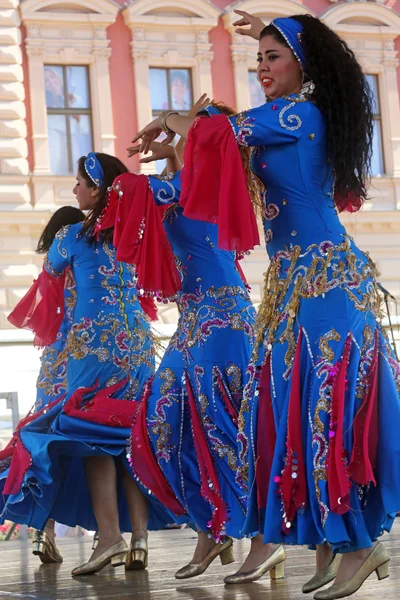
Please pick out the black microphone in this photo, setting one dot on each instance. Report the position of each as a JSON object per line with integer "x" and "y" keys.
{"x": 384, "y": 291}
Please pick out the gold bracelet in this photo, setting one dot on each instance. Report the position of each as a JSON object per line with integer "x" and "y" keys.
{"x": 163, "y": 120}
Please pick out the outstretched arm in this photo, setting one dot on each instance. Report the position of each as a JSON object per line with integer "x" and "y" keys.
{"x": 199, "y": 105}
{"x": 170, "y": 123}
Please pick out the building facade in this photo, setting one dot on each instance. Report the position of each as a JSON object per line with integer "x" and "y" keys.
{"x": 77, "y": 75}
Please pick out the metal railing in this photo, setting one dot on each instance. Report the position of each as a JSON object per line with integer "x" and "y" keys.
{"x": 11, "y": 399}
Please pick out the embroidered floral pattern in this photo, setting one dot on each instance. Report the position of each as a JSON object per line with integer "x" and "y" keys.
{"x": 245, "y": 126}
{"x": 201, "y": 313}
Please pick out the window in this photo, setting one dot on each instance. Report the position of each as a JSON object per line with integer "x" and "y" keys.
{"x": 170, "y": 89}
{"x": 68, "y": 116}
{"x": 257, "y": 96}
{"x": 377, "y": 163}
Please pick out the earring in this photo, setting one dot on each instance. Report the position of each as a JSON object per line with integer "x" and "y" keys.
{"x": 307, "y": 89}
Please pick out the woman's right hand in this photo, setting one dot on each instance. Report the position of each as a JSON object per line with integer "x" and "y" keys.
{"x": 201, "y": 103}
{"x": 150, "y": 133}
{"x": 158, "y": 152}
{"x": 256, "y": 25}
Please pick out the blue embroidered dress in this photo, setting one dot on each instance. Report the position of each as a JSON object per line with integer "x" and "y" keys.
{"x": 192, "y": 403}
{"x": 318, "y": 429}
{"x": 52, "y": 379}
{"x": 110, "y": 356}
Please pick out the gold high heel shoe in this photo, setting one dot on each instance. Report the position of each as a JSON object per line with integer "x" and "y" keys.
{"x": 377, "y": 560}
{"x": 275, "y": 564}
{"x": 45, "y": 549}
{"x": 323, "y": 576}
{"x": 116, "y": 555}
{"x": 137, "y": 557}
{"x": 224, "y": 551}
{"x": 95, "y": 540}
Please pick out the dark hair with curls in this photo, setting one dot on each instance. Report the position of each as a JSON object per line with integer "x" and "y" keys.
{"x": 112, "y": 167}
{"x": 66, "y": 215}
{"x": 344, "y": 98}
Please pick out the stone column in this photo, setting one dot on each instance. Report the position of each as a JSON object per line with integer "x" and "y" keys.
{"x": 241, "y": 76}
{"x": 14, "y": 169}
{"x": 140, "y": 56}
{"x": 202, "y": 79}
{"x": 104, "y": 136}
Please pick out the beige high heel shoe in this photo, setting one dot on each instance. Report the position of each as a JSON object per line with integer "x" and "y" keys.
{"x": 224, "y": 551}
{"x": 115, "y": 555}
{"x": 377, "y": 560}
{"x": 323, "y": 576}
{"x": 137, "y": 557}
{"x": 45, "y": 549}
{"x": 274, "y": 564}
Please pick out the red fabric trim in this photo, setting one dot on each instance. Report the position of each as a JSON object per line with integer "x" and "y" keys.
{"x": 210, "y": 488}
{"x": 102, "y": 408}
{"x": 20, "y": 462}
{"x": 293, "y": 480}
{"x": 21, "y": 459}
{"x": 266, "y": 435}
{"x": 364, "y": 458}
{"x": 143, "y": 463}
{"x": 149, "y": 307}
{"x": 41, "y": 309}
{"x": 231, "y": 409}
{"x": 338, "y": 478}
{"x": 139, "y": 235}
{"x": 349, "y": 203}
{"x": 238, "y": 258}
{"x": 214, "y": 184}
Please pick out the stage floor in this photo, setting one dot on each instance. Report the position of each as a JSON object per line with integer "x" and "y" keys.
{"x": 22, "y": 576}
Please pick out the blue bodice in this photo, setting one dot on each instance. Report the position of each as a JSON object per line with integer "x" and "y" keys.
{"x": 109, "y": 338}
{"x": 290, "y": 158}
{"x": 214, "y": 301}
{"x": 103, "y": 285}
{"x": 201, "y": 264}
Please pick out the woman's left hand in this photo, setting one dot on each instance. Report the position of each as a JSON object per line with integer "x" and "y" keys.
{"x": 150, "y": 133}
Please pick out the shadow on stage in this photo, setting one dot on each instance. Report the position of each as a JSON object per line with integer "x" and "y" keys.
{"x": 249, "y": 591}
{"x": 144, "y": 585}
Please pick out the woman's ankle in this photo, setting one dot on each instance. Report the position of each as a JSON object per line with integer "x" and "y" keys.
{"x": 140, "y": 532}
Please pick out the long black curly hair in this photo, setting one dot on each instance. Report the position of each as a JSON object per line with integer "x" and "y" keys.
{"x": 343, "y": 96}
{"x": 112, "y": 167}
{"x": 66, "y": 215}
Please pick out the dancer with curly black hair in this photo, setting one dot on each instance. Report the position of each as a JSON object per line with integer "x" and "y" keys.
{"x": 318, "y": 427}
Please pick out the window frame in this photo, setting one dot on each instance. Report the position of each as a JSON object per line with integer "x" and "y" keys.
{"x": 157, "y": 112}
{"x": 378, "y": 117}
{"x": 68, "y": 112}
{"x": 252, "y": 70}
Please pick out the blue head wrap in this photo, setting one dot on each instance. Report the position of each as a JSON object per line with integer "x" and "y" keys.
{"x": 94, "y": 169}
{"x": 291, "y": 30}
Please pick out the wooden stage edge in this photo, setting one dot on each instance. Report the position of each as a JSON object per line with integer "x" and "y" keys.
{"x": 22, "y": 575}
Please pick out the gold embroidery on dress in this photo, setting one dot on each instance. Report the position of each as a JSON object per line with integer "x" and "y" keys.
{"x": 326, "y": 352}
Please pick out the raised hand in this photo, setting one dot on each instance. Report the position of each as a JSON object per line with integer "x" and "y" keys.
{"x": 201, "y": 103}
{"x": 158, "y": 152}
{"x": 150, "y": 133}
{"x": 256, "y": 25}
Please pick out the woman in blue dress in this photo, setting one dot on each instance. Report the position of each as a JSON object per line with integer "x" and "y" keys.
{"x": 52, "y": 379}
{"x": 186, "y": 431}
{"x": 51, "y": 385}
{"x": 110, "y": 356}
{"x": 318, "y": 429}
